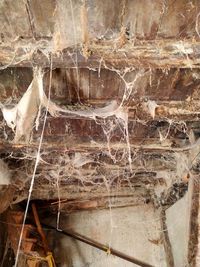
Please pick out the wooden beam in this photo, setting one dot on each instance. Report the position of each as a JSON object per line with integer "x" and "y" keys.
{"x": 131, "y": 197}
{"x": 69, "y": 206}
{"x": 6, "y": 197}
{"x": 91, "y": 147}
{"x": 84, "y": 134}
{"x": 163, "y": 54}
{"x": 194, "y": 241}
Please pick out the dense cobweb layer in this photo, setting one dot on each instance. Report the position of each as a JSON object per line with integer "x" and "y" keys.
{"x": 26, "y": 115}
{"x": 87, "y": 170}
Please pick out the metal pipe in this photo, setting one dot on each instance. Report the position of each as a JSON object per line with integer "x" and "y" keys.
{"x": 98, "y": 245}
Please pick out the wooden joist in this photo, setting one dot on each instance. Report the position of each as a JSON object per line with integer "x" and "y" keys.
{"x": 104, "y": 54}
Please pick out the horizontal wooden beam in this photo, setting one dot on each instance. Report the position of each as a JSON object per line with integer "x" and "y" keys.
{"x": 169, "y": 130}
{"x": 52, "y": 193}
{"x": 92, "y": 147}
{"x": 68, "y": 206}
{"x": 162, "y": 54}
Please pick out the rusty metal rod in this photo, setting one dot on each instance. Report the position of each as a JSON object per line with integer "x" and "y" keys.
{"x": 98, "y": 245}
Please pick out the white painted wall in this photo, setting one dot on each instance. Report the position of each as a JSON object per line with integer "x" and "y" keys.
{"x": 126, "y": 229}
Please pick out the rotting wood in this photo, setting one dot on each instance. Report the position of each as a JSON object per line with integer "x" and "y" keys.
{"x": 140, "y": 54}
{"x": 130, "y": 197}
{"x": 6, "y": 197}
{"x": 92, "y": 147}
{"x": 39, "y": 228}
{"x": 114, "y": 55}
{"x": 70, "y": 206}
{"x": 194, "y": 238}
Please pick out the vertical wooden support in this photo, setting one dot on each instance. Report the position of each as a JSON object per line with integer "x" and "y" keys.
{"x": 194, "y": 240}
